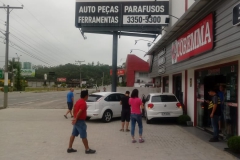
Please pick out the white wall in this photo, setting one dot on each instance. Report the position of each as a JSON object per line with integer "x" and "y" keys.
{"x": 142, "y": 90}
{"x": 190, "y": 3}
{"x": 170, "y": 85}
{"x": 177, "y": 9}
{"x": 144, "y": 79}
{"x": 190, "y": 95}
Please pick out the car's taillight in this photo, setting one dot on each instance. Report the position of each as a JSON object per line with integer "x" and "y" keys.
{"x": 179, "y": 105}
{"x": 150, "y": 105}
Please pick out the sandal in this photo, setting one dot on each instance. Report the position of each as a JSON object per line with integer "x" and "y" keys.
{"x": 141, "y": 140}
{"x": 127, "y": 130}
{"x": 122, "y": 130}
{"x": 134, "y": 141}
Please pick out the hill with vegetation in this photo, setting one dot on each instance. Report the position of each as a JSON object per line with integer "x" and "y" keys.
{"x": 90, "y": 72}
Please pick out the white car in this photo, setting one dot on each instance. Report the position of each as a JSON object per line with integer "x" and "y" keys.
{"x": 161, "y": 105}
{"x": 104, "y": 105}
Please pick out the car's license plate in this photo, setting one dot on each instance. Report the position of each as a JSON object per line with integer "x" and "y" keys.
{"x": 166, "y": 114}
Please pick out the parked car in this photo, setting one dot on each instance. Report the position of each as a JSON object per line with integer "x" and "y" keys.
{"x": 104, "y": 105}
{"x": 160, "y": 105}
{"x": 149, "y": 85}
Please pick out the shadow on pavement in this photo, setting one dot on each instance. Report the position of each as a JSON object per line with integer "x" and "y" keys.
{"x": 162, "y": 121}
{"x": 100, "y": 121}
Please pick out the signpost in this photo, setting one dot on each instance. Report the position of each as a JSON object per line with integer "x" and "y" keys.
{"x": 134, "y": 18}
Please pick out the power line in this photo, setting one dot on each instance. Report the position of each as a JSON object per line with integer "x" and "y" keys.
{"x": 20, "y": 40}
{"x": 29, "y": 38}
{"x": 37, "y": 34}
{"x": 25, "y": 52}
{"x": 46, "y": 28}
{"x": 33, "y": 56}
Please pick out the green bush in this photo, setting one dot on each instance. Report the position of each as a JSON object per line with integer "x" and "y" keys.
{"x": 182, "y": 120}
{"x": 234, "y": 144}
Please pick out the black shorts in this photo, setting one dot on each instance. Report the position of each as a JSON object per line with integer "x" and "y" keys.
{"x": 125, "y": 116}
{"x": 70, "y": 105}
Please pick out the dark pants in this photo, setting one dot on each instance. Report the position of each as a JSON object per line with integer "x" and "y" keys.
{"x": 215, "y": 120}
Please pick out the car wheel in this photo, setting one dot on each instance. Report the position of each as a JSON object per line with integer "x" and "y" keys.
{"x": 107, "y": 116}
{"x": 88, "y": 118}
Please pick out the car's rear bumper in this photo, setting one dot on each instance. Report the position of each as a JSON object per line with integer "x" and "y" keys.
{"x": 94, "y": 113}
{"x": 161, "y": 114}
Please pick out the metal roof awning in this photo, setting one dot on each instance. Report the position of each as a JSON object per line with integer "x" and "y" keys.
{"x": 188, "y": 19}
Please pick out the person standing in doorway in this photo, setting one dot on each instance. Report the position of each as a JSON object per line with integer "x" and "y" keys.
{"x": 79, "y": 125}
{"x": 70, "y": 101}
{"x": 126, "y": 111}
{"x": 136, "y": 115}
{"x": 221, "y": 96}
{"x": 215, "y": 108}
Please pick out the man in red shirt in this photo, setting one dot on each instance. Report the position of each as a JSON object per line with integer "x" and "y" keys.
{"x": 79, "y": 125}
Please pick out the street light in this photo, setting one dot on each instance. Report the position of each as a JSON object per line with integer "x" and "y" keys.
{"x": 80, "y": 62}
{"x": 143, "y": 40}
{"x": 137, "y": 50}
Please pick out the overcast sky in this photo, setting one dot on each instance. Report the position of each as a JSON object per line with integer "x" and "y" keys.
{"x": 45, "y": 29}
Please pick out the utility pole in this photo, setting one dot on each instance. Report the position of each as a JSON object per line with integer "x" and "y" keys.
{"x": 5, "y": 102}
{"x": 80, "y": 83}
{"x": 13, "y": 62}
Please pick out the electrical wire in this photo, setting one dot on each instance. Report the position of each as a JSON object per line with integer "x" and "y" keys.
{"x": 14, "y": 36}
{"x": 48, "y": 30}
{"x": 25, "y": 51}
{"x": 20, "y": 47}
{"x": 38, "y": 35}
{"x": 23, "y": 42}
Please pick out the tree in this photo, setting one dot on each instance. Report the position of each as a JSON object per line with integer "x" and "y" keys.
{"x": 15, "y": 69}
{"x": 18, "y": 83}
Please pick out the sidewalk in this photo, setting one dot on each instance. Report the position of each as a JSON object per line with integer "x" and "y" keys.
{"x": 43, "y": 134}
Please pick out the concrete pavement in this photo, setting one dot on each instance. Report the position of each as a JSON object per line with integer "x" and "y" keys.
{"x": 43, "y": 134}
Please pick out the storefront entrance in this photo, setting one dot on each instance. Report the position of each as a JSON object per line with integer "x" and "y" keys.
{"x": 177, "y": 87}
{"x": 225, "y": 76}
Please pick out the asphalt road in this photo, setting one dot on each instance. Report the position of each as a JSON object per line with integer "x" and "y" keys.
{"x": 43, "y": 100}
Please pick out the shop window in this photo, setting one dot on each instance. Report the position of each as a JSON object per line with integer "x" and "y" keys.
{"x": 143, "y": 75}
{"x": 226, "y": 77}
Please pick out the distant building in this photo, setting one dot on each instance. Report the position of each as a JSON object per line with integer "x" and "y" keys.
{"x": 27, "y": 65}
{"x": 137, "y": 71}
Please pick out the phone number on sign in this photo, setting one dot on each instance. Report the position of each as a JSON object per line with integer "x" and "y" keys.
{"x": 142, "y": 19}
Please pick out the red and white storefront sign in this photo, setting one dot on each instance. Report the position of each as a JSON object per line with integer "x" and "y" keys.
{"x": 120, "y": 72}
{"x": 197, "y": 40}
{"x": 61, "y": 79}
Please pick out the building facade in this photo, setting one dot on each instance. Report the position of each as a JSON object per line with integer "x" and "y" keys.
{"x": 136, "y": 71}
{"x": 201, "y": 51}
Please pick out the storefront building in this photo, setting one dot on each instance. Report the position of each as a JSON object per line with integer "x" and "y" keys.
{"x": 202, "y": 51}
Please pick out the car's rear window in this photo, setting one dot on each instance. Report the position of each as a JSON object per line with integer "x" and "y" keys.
{"x": 164, "y": 98}
{"x": 93, "y": 98}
